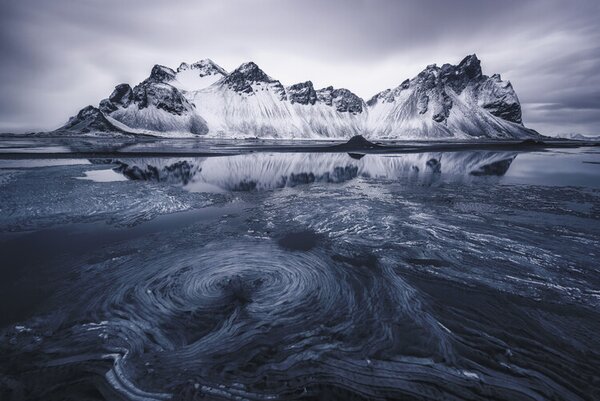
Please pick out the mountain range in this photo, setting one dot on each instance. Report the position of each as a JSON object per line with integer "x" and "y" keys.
{"x": 203, "y": 99}
{"x": 579, "y": 137}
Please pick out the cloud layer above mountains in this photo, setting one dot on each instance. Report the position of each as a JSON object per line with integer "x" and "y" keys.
{"x": 60, "y": 55}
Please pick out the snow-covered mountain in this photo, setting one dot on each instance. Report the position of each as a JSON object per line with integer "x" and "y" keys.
{"x": 204, "y": 99}
{"x": 448, "y": 101}
{"x": 579, "y": 137}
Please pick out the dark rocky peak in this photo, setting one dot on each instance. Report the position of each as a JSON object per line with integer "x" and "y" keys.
{"x": 303, "y": 93}
{"x": 499, "y": 98}
{"x": 87, "y": 112}
{"x": 204, "y": 67}
{"x": 447, "y": 71}
{"x": 458, "y": 77}
{"x": 89, "y": 119}
{"x": 428, "y": 78}
{"x": 121, "y": 96}
{"x": 161, "y": 96}
{"x": 431, "y": 69}
{"x": 325, "y": 95}
{"x": 497, "y": 78}
{"x": 248, "y": 74}
{"x": 208, "y": 67}
{"x": 161, "y": 74}
{"x": 342, "y": 99}
{"x": 470, "y": 66}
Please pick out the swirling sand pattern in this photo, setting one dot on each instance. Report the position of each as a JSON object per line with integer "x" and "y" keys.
{"x": 225, "y": 321}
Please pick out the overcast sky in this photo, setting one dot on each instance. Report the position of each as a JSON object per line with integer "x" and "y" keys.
{"x": 60, "y": 55}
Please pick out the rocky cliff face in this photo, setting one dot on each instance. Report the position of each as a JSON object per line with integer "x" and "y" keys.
{"x": 451, "y": 101}
{"x": 249, "y": 79}
{"x": 302, "y": 93}
{"x": 90, "y": 120}
{"x": 202, "y": 68}
{"x": 122, "y": 96}
{"x": 342, "y": 99}
{"x": 499, "y": 98}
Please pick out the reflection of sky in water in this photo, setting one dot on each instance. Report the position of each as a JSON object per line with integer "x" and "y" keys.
{"x": 108, "y": 175}
{"x": 560, "y": 168}
{"x": 36, "y": 149}
{"x": 31, "y": 163}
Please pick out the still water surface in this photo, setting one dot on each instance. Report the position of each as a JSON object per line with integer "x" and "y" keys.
{"x": 451, "y": 275}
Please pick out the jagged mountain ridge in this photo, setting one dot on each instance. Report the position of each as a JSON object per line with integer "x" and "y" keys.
{"x": 204, "y": 99}
{"x": 250, "y": 103}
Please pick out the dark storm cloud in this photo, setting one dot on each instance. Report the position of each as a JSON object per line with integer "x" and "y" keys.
{"x": 63, "y": 54}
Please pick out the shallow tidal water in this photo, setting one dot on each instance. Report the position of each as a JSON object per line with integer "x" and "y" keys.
{"x": 468, "y": 275}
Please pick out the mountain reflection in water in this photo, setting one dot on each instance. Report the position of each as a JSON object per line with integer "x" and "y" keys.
{"x": 264, "y": 171}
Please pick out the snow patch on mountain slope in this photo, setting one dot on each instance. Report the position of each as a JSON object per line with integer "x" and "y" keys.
{"x": 157, "y": 121}
{"x": 198, "y": 75}
{"x": 142, "y": 131}
{"x": 190, "y": 81}
{"x": 263, "y": 114}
